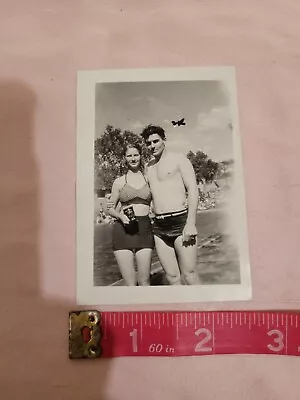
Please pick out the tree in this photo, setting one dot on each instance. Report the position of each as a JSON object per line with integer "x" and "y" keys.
{"x": 210, "y": 170}
{"x": 108, "y": 153}
{"x": 226, "y": 168}
{"x": 205, "y": 169}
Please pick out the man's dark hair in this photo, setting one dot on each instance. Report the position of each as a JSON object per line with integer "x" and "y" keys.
{"x": 152, "y": 130}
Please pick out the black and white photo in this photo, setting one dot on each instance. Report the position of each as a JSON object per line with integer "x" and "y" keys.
{"x": 161, "y": 214}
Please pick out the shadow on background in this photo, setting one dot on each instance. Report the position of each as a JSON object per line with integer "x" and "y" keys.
{"x": 34, "y": 333}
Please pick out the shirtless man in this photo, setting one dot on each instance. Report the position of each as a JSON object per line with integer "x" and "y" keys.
{"x": 171, "y": 176}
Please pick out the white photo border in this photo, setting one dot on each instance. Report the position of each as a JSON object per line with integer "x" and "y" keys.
{"x": 86, "y": 292}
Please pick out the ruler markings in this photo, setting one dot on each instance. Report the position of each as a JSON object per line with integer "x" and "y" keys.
{"x": 236, "y": 318}
{"x": 104, "y": 323}
{"x": 172, "y": 319}
{"x": 283, "y": 321}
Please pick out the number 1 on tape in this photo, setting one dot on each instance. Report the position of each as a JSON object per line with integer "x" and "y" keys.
{"x": 169, "y": 334}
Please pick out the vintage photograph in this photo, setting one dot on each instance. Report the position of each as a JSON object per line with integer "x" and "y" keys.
{"x": 161, "y": 212}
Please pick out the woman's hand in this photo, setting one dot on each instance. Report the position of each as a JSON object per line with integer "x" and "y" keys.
{"x": 124, "y": 218}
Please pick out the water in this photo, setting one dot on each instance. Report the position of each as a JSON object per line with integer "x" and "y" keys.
{"x": 218, "y": 261}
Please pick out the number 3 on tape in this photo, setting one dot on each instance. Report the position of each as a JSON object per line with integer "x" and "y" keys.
{"x": 171, "y": 334}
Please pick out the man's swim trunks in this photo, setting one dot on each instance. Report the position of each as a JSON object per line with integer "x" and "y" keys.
{"x": 169, "y": 226}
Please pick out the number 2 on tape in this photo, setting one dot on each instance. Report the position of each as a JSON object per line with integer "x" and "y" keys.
{"x": 200, "y": 345}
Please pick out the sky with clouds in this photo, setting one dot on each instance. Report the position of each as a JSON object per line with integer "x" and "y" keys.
{"x": 203, "y": 104}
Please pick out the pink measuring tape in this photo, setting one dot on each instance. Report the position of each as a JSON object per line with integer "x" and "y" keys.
{"x": 173, "y": 334}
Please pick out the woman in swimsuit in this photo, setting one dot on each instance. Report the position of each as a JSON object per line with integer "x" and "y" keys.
{"x": 132, "y": 240}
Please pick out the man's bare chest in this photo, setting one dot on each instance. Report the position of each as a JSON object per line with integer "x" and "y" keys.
{"x": 163, "y": 172}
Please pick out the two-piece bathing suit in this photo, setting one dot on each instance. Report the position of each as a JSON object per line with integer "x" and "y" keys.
{"x": 167, "y": 226}
{"x": 142, "y": 236}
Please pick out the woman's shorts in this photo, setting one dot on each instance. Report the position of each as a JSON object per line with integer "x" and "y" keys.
{"x": 141, "y": 237}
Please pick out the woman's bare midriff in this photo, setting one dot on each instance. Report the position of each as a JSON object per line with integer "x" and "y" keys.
{"x": 140, "y": 210}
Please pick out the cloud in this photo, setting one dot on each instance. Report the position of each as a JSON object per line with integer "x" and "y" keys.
{"x": 179, "y": 146}
{"x": 206, "y": 149}
{"x": 216, "y": 119}
{"x": 179, "y": 141}
{"x": 161, "y": 111}
{"x": 136, "y": 125}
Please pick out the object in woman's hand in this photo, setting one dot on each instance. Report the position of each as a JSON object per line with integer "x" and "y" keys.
{"x": 132, "y": 227}
{"x": 129, "y": 212}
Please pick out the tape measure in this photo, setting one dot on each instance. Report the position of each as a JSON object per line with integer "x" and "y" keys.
{"x": 173, "y": 334}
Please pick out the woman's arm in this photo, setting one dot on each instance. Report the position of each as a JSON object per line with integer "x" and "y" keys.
{"x": 113, "y": 202}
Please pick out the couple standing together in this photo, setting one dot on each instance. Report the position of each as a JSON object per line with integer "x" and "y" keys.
{"x": 165, "y": 181}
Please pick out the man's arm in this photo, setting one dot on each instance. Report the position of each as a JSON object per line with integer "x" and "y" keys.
{"x": 189, "y": 179}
